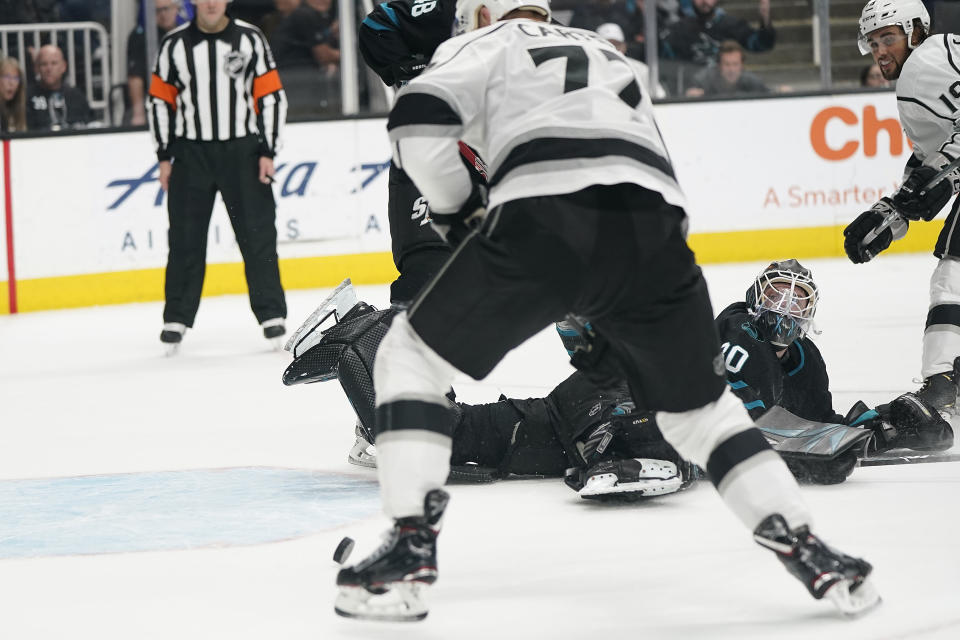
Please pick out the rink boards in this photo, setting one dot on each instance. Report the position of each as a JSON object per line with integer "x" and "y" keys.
{"x": 85, "y": 219}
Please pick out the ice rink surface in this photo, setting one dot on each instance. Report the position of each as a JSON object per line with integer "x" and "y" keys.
{"x": 197, "y": 497}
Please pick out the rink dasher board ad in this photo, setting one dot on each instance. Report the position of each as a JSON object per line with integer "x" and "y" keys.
{"x": 783, "y": 174}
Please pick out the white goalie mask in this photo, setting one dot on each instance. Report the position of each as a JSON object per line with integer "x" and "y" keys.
{"x": 468, "y": 11}
{"x": 886, "y": 13}
{"x": 783, "y": 301}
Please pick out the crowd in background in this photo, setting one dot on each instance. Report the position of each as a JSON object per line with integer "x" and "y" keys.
{"x": 703, "y": 52}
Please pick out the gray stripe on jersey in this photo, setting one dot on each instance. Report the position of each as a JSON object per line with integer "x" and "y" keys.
{"x": 425, "y": 131}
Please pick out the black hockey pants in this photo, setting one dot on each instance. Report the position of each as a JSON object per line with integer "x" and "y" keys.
{"x": 200, "y": 170}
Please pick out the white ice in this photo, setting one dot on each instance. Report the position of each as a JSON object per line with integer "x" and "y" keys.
{"x": 88, "y": 393}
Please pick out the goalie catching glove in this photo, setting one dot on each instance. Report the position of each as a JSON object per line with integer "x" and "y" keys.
{"x": 918, "y": 199}
{"x": 455, "y": 227}
{"x": 873, "y": 231}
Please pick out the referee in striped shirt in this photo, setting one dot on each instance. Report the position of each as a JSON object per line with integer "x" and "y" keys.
{"x": 216, "y": 109}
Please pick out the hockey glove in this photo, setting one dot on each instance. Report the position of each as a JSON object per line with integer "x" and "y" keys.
{"x": 455, "y": 227}
{"x": 876, "y": 421}
{"x": 917, "y": 199}
{"x": 861, "y": 242}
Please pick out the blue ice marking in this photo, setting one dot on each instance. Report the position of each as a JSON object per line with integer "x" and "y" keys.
{"x": 170, "y": 510}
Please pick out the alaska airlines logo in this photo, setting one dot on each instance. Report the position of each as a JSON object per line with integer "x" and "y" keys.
{"x": 294, "y": 184}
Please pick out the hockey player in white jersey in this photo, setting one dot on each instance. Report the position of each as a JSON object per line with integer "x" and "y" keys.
{"x": 585, "y": 218}
{"x": 927, "y": 70}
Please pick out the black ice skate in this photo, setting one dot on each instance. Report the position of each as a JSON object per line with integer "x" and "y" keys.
{"x": 390, "y": 584}
{"x": 825, "y": 572}
{"x": 273, "y": 330}
{"x": 940, "y": 391}
{"x": 172, "y": 335}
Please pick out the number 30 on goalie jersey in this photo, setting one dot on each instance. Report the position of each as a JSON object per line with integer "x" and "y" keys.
{"x": 551, "y": 109}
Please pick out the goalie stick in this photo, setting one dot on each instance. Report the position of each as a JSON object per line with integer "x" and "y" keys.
{"x": 886, "y": 459}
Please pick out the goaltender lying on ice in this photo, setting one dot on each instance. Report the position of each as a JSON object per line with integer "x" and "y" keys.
{"x": 589, "y": 430}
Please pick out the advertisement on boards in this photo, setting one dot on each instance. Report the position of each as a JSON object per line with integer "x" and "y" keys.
{"x": 92, "y": 204}
{"x": 782, "y": 163}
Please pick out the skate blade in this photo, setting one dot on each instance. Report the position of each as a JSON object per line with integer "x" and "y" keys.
{"x": 363, "y": 454}
{"x": 276, "y": 344}
{"x": 606, "y": 485}
{"x": 403, "y": 602}
{"x": 171, "y": 349}
{"x": 338, "y": 303}
{"x": 863, "y": 599}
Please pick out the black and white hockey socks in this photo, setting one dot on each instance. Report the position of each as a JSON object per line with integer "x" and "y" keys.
{"x": 751, "y": 478}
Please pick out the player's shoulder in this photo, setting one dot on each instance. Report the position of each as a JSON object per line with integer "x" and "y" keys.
{"x": 176, "y": 33}
{"x": 936, "y": 57}
{"x": 471, "y": 40}
{"x": 734, "y": 314}
{"x": 248, "y": 27}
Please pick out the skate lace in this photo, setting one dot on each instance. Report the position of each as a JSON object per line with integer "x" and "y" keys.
{"x": 390, "y": 538}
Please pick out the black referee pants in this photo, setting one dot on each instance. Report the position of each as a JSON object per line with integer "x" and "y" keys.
{"x": 200, "y": 169}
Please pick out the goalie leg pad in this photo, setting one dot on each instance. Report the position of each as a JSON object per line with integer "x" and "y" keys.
{"x": 347, "y": 352}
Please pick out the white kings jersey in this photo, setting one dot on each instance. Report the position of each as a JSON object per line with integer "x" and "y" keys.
{"x": 928, "y": 97}
{"x": 551, "y": 110}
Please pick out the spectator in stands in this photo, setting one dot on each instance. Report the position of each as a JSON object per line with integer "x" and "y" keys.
{"x": 309, "y": 36}
{"x": 696, "y": 37}
{"x": 871, "y": 77}
{"x": 281, "y": 9}
{"x": 306, "y": 45}
{"x": 52, "y": 103}
{"x": 612, "y": 32}
{"x": 626, "y": 14}
{"x": 29, "y": 11}
{"x": 727, "y": 77}
{"x": 137, "y": 75}
{"x": 13, "y": 96}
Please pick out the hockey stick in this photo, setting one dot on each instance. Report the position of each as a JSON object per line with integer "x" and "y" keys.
{"x": 893, "y": 215}
{"x": 918, "y": 458}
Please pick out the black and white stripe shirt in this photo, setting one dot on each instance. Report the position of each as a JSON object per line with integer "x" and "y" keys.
{"x": 216, "y": 86}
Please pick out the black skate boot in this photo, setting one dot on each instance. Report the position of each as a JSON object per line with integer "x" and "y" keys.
{"x": 940, "y": 390}
{"x": 172, "y": 335}
{"x": 919, "y": 425}
{"x": 822, "y": 570}
{"x": 389, "y": 585}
